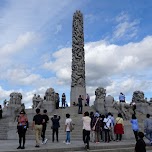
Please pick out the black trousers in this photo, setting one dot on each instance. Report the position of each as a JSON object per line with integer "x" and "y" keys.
{"x": 55, "y": 131}
{"x": 43, "y": 132}
{"x": 107, "y": 136}
{"x": 118, "y": 136}
{"x": 21, "y": 134}
{"x": 80, "y": 109}
{"x": 136, "y": 134}
{"x": 86, "y": 137}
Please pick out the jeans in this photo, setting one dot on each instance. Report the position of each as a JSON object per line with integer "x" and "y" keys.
{"x": 149, "y": 135}
{"x": 68, "y": 136}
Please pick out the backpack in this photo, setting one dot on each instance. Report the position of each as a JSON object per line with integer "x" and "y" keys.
{"x": 71, "y": 126}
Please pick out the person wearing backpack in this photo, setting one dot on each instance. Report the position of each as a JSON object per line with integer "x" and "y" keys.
{"x": 68, "y": 128}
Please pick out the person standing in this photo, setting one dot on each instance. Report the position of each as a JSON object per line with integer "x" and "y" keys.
{"x": 68, "y": 124}
{"x": 22, "y": 126}
{"x": 135, "y": 128}
{"x": 63, "y": 100}
{"x": 121, "y": 97}
{"x": 140, "y": 144}
{"x": 80, "y": 104}
{"x": 97, "y": 124}
{"x": 37, "y": 125}
{"x": 1, "y": 111}
{"x": 148, "y": 128}
{"x": 46, "y": 119}
{"x": 107, "y": 127}
{"x": 57, "y": 100}
{"x": 92, "y": 133}
{"x": 88, "y": 99}
{"x": 119, "y": 127}
{"x": 55, "y": 127}
{"x": 86, "y": 129}
{"x": 111, "y": 132}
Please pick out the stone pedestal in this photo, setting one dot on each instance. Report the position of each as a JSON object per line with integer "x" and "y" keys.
{"x": 75, "y": 92}
{"x": 100, "y": 106}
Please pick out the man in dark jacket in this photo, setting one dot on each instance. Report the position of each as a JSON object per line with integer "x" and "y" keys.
{"x": 80, "y": 104}
{"x": 55, "y": 126}
{"x": 46, "y": 118}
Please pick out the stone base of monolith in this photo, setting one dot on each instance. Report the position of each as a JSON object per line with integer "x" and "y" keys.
{"x": 75, "y": 92}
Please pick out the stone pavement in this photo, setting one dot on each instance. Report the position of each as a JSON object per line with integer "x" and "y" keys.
{"x": 125, "y": 146}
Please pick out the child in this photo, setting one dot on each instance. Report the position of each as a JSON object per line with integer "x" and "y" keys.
{"x": 140, "y": 144}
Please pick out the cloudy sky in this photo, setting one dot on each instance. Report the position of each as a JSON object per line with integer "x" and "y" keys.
{"x": 35, "y": 46}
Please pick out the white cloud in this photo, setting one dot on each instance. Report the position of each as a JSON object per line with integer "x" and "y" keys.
{"x": 114, "y": 67}
{"x": 126, "y": 28}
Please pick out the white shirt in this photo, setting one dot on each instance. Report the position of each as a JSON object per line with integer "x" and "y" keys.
{"x": 107, "y": 123}
{"x": 86, "y": 123}
{"x": 68, "y": 121}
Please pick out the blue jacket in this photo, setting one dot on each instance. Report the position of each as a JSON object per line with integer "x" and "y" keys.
{"x": 134, "y": 123}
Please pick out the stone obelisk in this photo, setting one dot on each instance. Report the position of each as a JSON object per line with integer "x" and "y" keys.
{"x": 78, "y": 86}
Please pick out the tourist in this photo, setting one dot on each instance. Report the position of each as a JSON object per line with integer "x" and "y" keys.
{"x": 92, "y": 133}
{"x": 46, "y": 119}
{"x": 135, "y": 128}
{"x": 22, "y": 126}
{"x": 63, "y": 100}
{"x": 88, "y": 99}
{"x": 140, "y": 144}
{"x": 57, "y": 100}
{"x": 119, "y": 127}
{"x": 121, "y": 97}
{"x": 96, "y": 126}
{"x": 80, "y": 104}
{"x": 96, "y": 113}
{"x": 37, "y": 125}
{"x": 148, "y": 128}
{"x": 1, "y": 111}
{"x": 102, "y": 132}
{"x": 133, "y": 105}
{"x": 86, "y": 129}
{"x": 111, "y": 133}
{"x": 107, "y": 127}
{"x": 55, "y": 127}
{"x": 68, "y": 128}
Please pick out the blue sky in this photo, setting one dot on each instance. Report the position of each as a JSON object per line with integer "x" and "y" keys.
{"x": 35, "y": 46}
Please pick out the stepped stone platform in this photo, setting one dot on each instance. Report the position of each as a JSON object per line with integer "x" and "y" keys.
{"x": 9, "y": 137}
{"x": 123, "y": 146}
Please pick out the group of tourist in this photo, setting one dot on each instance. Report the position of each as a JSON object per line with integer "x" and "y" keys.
{"x": 96, "y": 128}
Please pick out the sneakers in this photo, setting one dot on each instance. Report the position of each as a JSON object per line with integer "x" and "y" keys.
{"x": 45, "y": 141}
{"x": 37, "y": 146}
{"x": 68, "y": 143}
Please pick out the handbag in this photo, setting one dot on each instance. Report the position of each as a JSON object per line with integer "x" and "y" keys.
{"x": 94, "y": 127}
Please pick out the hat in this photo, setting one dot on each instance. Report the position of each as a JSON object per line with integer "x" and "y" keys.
{"x": 96, "y": 114}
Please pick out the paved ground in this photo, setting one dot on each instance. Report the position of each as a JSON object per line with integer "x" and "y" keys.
{"x": 11, "y": 145}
